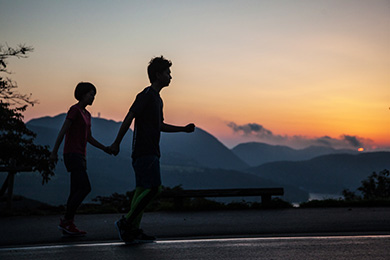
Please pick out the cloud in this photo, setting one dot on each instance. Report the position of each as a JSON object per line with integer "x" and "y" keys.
{"x": 353, "y": 140}
{"x": 250, "y": 129}
{"x": 254, "y": 131}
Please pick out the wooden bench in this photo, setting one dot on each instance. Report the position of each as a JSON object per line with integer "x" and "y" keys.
{"x": 264, "y": 193}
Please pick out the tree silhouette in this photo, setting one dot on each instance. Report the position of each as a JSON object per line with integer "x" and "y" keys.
{"x": 17, "y": 149}
{"x": 375, "y": 187}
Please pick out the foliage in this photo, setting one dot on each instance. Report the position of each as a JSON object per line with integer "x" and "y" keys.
{"x": 339, "y": 203}
{"x": 8, "y": 93}
{"x": 116, "y": 202}
{"x": 350, "y": 195}
{"x": 375, "y": 187}
{"x": 16, "y": 140}
{"x": 375, "y": 191}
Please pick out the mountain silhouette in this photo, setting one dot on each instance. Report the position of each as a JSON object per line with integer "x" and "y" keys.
{"x": 199, "y": 149}
{"x": 328, "y": 174}
{"x": 194, "y": 161}
{"x": 198, "y": 160}
{"x": 255, "y": 154}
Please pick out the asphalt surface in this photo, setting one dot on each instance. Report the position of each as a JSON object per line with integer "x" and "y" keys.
{"x": 42, "y": 230}
{"x": 302, "y": 248}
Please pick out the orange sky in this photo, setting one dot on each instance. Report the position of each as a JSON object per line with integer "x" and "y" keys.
{"x": 300, "y": 69}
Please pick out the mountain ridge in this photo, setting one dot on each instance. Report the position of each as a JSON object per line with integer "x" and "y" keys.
{"x": 256, "y": 153}
{"x": 199, "y": 160}
{"x": 327, "y": 173}
{"x": 197, "y": 149}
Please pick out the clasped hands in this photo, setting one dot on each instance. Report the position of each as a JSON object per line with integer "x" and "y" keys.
{"x": 113, "y": 149}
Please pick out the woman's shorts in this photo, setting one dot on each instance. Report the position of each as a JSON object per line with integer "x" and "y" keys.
{"x": 75, "y": 162}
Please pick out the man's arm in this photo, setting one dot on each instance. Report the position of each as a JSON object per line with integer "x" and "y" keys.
{"x": 174, "y": 129}
{"x": 122, "y": 131}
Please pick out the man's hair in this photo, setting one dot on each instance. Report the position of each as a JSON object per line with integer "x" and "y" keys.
{"x": 83, "y": 88}
{"x": 157, "y": 65}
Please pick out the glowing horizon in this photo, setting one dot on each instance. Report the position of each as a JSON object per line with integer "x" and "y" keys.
{"x": 305, "y": 71}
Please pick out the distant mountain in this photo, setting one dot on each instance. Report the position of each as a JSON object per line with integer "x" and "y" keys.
{"x": 47, "y": 129}
{"x": 195, "y": 161}
{"x": 199, "y": 149}
{"x": 255, "y": 154}
{"x": 199, "y": 160}
{"x": 25, "y": 205}
{"x": 325, "y": 174}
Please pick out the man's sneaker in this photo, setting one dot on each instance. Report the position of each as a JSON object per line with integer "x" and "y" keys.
{"x": 68, "y": 228}
{"x": 141, "y": 237}
{"x": 126, "y": 233}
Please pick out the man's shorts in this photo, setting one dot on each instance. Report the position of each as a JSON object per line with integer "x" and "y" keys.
{"x": 147, "y": 171}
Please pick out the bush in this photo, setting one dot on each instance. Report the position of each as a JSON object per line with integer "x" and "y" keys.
{"x": 375, "y": 187}
{"x": 375, "y": 192}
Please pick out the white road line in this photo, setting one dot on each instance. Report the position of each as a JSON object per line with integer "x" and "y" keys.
{"x": 178, "y": 241}
{"x": 249, "y": 239}
{"x": 60, "y": 246}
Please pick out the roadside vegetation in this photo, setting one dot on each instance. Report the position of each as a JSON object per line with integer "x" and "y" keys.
{"x": 373, "y": 192}
{"x": 120, "y": 203}
{"x": 19, "y": 153}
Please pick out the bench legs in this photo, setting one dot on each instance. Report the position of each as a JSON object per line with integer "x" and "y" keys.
{"x": 265, "y": 201}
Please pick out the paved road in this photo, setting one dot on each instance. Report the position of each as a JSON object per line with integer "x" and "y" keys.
{"x": 318, "y": 248}
{"x": 43, "y": 229}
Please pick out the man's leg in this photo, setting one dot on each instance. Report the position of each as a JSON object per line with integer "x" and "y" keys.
{"x": 141, "y": 199}
{"x": 148, "y": 186}
{"x": 128, "y": 227}
{"x": 148, "y": 182}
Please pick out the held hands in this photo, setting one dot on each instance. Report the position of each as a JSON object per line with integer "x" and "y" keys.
{"x": 107, "y": 149}
{"x": 189, "y": 128}
{"x": 114, "y": 149}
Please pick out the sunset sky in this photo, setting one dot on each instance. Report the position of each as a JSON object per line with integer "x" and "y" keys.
{"x": 294, "y": 73}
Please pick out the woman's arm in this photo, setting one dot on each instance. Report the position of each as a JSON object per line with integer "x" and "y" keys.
{"x": 65, "y": 127}
{"x": 97, "y": 144}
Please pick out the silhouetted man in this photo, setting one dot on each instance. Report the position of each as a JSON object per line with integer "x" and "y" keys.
{"x": 147, "y": 110}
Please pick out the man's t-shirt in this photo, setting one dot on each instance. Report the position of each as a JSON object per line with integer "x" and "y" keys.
{"x": 148, "y": 113}
{"x": 77, "y": 136}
